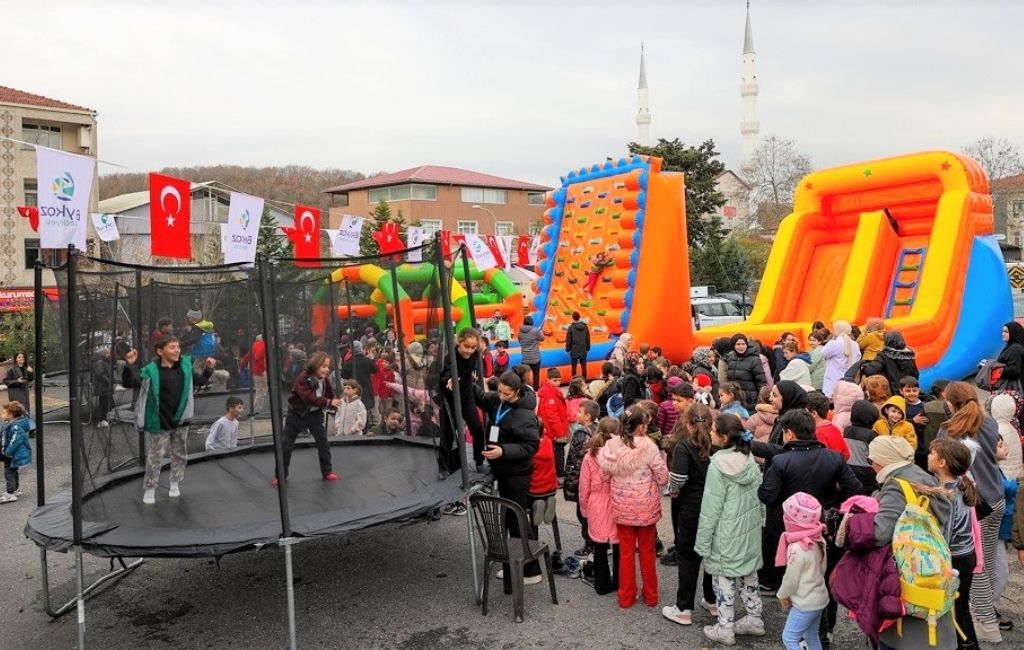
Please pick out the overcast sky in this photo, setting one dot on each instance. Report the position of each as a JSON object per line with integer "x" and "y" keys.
{"x": 523, "y": 89}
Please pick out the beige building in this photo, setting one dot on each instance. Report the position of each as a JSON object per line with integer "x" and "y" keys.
{"x": 446, "y": 198}
{"x": 736, "y": 211}
{"x": 51, "y": 123}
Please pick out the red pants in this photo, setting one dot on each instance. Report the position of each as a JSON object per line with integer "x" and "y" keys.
{"x": 629, "y": 538}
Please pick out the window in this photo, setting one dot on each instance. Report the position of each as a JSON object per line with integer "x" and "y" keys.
{"x": 466, "y": 227}
{"x": 403, "y": 193}
{"x": 536, "y": 198}
{"x": 31, "y": 192}
{"x": 504, "y": 228}
{"x": 430, "y": 226}
{"x": 534, "y": 228}
{"x": 483, "y": 195}
{"x": 50, "y": 257}
{"x": 42, "y": 134}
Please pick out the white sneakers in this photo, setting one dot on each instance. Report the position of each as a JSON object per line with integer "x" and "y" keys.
{"x": 528, "y": 580}
{"x": 149, "y": 496}
{"x": 988, "y": 632}
{"x": 676, "y": 615}
{"x": 749, "y": 627}
{"x": 711, "y": 607}
{"x": 723, "y": 635}
{"x": 175, "y": 491}
{"x": 8, "y": 498}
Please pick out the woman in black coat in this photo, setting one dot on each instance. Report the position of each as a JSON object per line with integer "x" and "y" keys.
{"x": 467, "y": 359}
{"x": 744, "y": 367}
{"x": 17, "y": 379}
{"x": 511, "y": 410}
{"x": 1012, "y": 356}
{"x": 894, "y": 362}
{"x": 786, "y": 396}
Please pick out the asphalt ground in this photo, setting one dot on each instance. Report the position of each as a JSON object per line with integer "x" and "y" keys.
{"x": 404, "y": 586}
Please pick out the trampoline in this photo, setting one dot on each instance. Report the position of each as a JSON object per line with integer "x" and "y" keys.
{"x": 228, "y": 504}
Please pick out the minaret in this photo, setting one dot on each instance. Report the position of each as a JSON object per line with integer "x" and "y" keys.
{"x": 749, "y": 127}
{"x": 643, "y": 113}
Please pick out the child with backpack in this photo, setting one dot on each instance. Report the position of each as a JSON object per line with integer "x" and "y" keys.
{"x": 729, "y": 532}
{"x": 949, "y": 460}
{"x": 915, "y": 532}
{"x": 596, "y": 507}
{"x": 802, "y": 591}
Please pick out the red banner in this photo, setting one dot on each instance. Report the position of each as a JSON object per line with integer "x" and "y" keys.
{"x": 32, "y": 214}
{"x": 388, "y": 238}
{"x": 523, "y": 250}
{"x": 305, "y": 236}
{"x": 492, "y": 243}
{"x": 170, "y": 208}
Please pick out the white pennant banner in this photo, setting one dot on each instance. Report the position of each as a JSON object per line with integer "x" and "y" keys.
{"x": 106, "y": 227}
{"x": 65, "y": 183}
{"x": 347, "y": 240}
{"x": 534, "y": 249}
{"x": 507, "y": 246}
{"x": 480, "y": 252}
{"x": 241, "y": 232}
{"x": 415, "y": 236}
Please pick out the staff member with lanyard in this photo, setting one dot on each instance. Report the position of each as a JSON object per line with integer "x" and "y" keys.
{"x": 512, "y": 441}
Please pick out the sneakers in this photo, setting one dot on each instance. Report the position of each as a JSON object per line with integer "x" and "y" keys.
{"x": 659, "y": 548}
{"x": 722, "y": 635}
{"x": 670, "y": 558}
{"x": 102, "y": 424}
{"x": 711, "y": 607}
{"x": 676, "y": 615}
{"x": 1005, "y": 624}
{"x": 174, "y": 492}
{"x": 7, "y": 498}
{"x": 149, "y": 496}
{"x": 331, "y": 476}
{"x": 17, "y": 493}
{"x": 748, "y": 626}
{"x": 988, "y": 632}
{"x": 528, "y": 580}
{"x": 585, "y": 551}
{"x": 457, "y": 509}
{"x": 435, "y": 514}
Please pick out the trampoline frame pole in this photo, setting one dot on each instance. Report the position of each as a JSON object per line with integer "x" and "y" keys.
{"x": 74, "y": 400}
{"x": 293, "y": 643}
{"x": 138, "y": 345}
{"x": 401, "y": 347}
{"x": 472, "y": 310}
{"x": 444, "y": 280}
{"x": 273, "y": 396}
{"x": 37, "y": 318}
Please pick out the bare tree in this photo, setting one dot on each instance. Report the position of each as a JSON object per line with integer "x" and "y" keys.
{"x": 999, "y": 157}
{"x": 773, "y": 174}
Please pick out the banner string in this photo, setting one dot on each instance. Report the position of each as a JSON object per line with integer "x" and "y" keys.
{"x": 39, "y": 146}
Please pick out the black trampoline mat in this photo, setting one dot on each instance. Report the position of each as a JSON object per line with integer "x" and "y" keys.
{"x": 228, "y": 504}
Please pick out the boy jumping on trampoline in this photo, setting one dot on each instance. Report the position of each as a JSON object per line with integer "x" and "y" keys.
{"x": 164, "y": 407}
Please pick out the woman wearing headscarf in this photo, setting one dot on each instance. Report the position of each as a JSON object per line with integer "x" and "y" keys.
{"x": 620, "y": 353}
{"x": 745, "y": 368}
{"x": 840, "y": 353}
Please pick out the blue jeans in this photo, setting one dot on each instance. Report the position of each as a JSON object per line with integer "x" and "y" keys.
{"x": 801, "y": 625}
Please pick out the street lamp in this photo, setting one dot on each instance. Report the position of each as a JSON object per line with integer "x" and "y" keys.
{"x": 494, "y": 219}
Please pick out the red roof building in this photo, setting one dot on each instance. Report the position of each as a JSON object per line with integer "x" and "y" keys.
{"x": 447, "y": 198}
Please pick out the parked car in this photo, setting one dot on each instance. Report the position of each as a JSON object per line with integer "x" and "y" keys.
{"x": 745, "y": 304}
{"x": 716, "y": 311}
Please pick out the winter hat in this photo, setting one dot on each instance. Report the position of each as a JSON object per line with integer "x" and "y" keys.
{"x": 703, "y": 381}
{"x": 892, "y": 453}
{"x": 674, "y": 381}
{"x": 1003, "y": 408}
{"x": 801, "y": 513}
{"x": 194, "y": 313}
{"x": 702, "y": 356}
{"x": 344, "y": 340}
{"x": 415, "y": 352}
{"x": 357, "y": 347}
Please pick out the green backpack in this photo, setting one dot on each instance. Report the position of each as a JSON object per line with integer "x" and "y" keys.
{"x": 928, "y": 583}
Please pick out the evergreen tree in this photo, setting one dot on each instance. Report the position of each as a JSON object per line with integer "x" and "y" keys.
{"x": 272, "y": 241}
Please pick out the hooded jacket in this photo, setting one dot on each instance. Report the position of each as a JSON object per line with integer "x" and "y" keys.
{"x": 859, "y": 434}
{"x": 799, "y": 371}
{"x": 746, "y": 370}
{"x": 596, "y": 502}
{"x": 894, "y": 363}
{"x": 518, "y": 434}
{"x": 843, "y": 396}
{"x": 729, "y": 532}
{"x": 903, "y": 429}
{"x": 620, "y": 352}
{"x": 637, "y": 476}
{"x": 1004, "y": 409}
{"x": 529, "y": 343}
{"x": 577, "y": 340}
{"x": 870, "y": 344}
{"x": 552, "y": 412}
{"x": 15, "y": 443}
{"x": 836, "y": 360}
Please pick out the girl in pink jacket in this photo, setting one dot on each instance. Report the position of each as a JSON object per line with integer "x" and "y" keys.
{"x": 596, "y": 508}
{"x": 637, "y": 471}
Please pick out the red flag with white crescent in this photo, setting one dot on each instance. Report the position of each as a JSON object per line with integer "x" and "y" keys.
{"x": 523, "y": 250}
{"x": 492, "y": 243}
{"x": 170, "y": 209}
{"x": 32, "y": 214}
{"x": 305, "y": 236}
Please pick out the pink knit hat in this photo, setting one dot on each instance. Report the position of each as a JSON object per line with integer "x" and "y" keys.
{"x": 674, "y": 381}
{"x": 801, "y": 512}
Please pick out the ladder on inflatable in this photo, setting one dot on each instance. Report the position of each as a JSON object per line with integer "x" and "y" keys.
{"x": 905, "y": 280}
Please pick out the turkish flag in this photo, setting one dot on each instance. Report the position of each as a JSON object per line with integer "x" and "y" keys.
{"x": 492, "y": 243}
{"x": 446, "y": 244}
{"x": 523, "y": 251}
{"x": 388, "y": 238}
{"x": 170, "y": 208}
{"x": 32, "y": 214}
{"x": 305, "y": 235}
